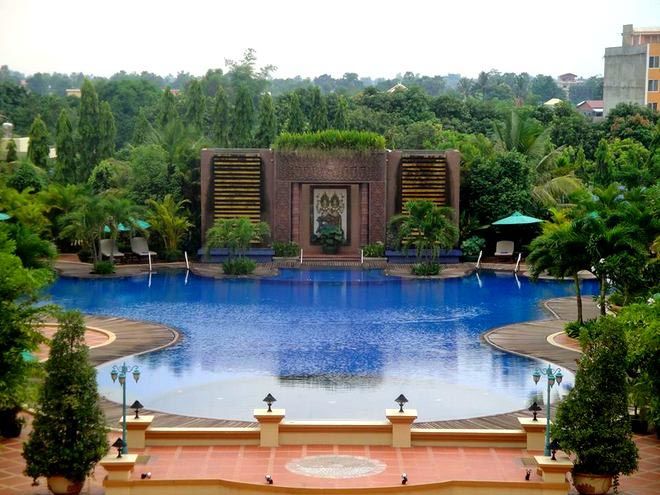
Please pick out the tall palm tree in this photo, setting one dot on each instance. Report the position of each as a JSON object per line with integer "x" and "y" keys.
{"x": 561, "y": 250}
{"x": 85, "y": 224}
{"x": 170, "y": 220}
{"x": 522, "y": 134}
{"x": 118, "y": 210}
{"x": 426, "y": 226}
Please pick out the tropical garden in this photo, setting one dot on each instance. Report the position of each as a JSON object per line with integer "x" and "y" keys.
{"x": 128, "y": 159}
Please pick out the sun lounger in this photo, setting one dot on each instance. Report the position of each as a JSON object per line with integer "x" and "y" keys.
{"x": 504, "y": 248}
{"x": 108, "y": 248}
{"x": 140, "y": 247}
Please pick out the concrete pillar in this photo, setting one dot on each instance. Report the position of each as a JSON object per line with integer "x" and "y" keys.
{"x": 535, "y": 431}
{"x": 135, "y": 431}
{"x": 269, "y": 426}
{"x": 119, "y": 468}
{"x": 554, "y": 471}
{"x": 401, "y": 425}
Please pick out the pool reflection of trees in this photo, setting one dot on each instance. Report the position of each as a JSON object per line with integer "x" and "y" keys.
{"x": 333, "y": 381}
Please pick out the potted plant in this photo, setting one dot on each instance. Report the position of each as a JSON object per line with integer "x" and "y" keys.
{"x": 592, "y": 422}
{"x": 471, "y": 247}
{"x": 330, "y": 237}
{"x": 69, "y": 435}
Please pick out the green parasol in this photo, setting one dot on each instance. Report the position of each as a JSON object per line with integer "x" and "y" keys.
{"x": 141, "y": 224}
{"x": 4, "y": 216}
{"x": 517, "y": 218}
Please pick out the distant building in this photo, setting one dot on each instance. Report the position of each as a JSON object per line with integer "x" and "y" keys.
{"x": 552, "y": 102}
{"x": 565, "y": 81}
{"x": 632, "y": 70}
{"x": 75, "y": 92}
{"x": 397, "y": 87}
{"x": 592, "y": 109}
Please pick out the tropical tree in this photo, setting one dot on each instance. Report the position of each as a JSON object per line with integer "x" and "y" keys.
{"x": 243, "y": 122}
{"x": 142, "y": 132}
{"x": 296, "y": 121}
{"x": 88, "y": 129}
{"x": 167, "y": 108}
{"x": 220, "y": 120}
{"x": 318, "y": 120}
{"x": 118, "y": 210}
{"x": 561, "y": 250}
{"x": 520, "y": 133}
{"x": 85, "y": 224}
{"x": 235, "y": 234}
{"x": 428, "y": 227}
{"x": 195, "y": 105}
{"x": 66, "y": 149}
{"x": 12, "y": 154}
{"x": 38, "y": 148}
{"x": 267, "y": 127}
{"x": 107, "y": 132}
{"x": 69, "y": 435}
{"x": 169, "y": 219}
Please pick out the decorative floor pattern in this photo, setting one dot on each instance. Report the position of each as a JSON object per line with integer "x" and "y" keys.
{"x": 335, "y": 466}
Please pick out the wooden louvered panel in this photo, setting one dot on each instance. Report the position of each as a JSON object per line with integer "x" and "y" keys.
{"x": 237, "y": 186}
{"x": 423, "y": 178}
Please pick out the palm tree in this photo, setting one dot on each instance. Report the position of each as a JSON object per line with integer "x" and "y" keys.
{"x": 464, "y": 87}
{"x": 522, "y": 134}
{"x": 118, "y": 210}
{"x": 561, "y": 250}
{"x": 426, "y": 226}
{"x": 170, "y": 220}
{"x": 85, "y": 224}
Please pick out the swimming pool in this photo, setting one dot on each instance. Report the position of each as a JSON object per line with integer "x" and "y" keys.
{"x": 328, "y": 344}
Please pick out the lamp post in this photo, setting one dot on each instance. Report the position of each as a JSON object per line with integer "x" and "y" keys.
{"x": 121, "y": 372}
{"x": 552, "y": 376}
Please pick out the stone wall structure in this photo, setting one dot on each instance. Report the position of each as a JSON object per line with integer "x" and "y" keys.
{"x": 297, "y": 190}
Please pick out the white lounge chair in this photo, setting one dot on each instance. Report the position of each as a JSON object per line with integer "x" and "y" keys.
{"x": 140, "y": 247}
{"x": 504, "y": 248}
{"x": 108, "y": 248}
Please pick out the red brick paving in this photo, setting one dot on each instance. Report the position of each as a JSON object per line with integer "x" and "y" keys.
{"x": 251, "y": 464}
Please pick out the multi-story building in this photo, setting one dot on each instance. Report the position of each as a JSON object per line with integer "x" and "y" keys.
{"x": 632, "y": 70}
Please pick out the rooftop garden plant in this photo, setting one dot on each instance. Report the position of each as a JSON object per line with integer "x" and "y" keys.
{"x": 330, "y": 140}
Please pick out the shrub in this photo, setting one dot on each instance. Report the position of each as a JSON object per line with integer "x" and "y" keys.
{"x": 172, "y": 254}
{"x": 286, "y": 249}
{"x": 239, "y": 266}
{"x": 330, "y": 140}
{"x": 375, "y": 250}
{"x": 592, "y": 422}
{"x": 69, "y": 435}
{"x": 472, "y": 245}
{"x": 104, "y": 267}
{"x": 426, "y": 269}
{"x": 85, "y": 255}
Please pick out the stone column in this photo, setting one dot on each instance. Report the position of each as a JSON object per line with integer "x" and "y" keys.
{"x": 269, "y": 426}
{"x": 295, "y": 213}
{"x": 364, "y": 214}
{"x": 119, "y": 468}
{"x": 535, "y": 431}
{"x": 401, "y": 425}
{"x": 554, "y": 471}
{"x": 136, "y": 431}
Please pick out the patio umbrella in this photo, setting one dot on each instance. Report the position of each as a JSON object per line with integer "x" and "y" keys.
{"x": 123, "y": 228}
{"x": 517, "y": 218}
{"x": 4, "y": 216}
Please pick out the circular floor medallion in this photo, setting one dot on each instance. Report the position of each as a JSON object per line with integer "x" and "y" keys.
{"x": 335, "y": 466}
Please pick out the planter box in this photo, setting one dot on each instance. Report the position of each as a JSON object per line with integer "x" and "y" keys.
{"x": 220, "y": 255}
{"x": 450, "y": 257}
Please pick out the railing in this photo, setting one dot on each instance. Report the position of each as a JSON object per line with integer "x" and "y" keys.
{"x": 479, "y": 259}
{"x": 185, "y": 253}
{"x": 518, "y": 263}
{"x": 149, "y": 254}
{"x": 301, "y": 256}
{"x": 362, "y": 256}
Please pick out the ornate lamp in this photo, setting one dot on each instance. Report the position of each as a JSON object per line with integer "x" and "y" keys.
{"x": 534, "y": 408}
{"x": 269, "y": 399}
{"x": 137, "y": 406}
{"x": 401, "y": 400}
{"x": 119, "y": 445}
{"x": 554, "y": 447}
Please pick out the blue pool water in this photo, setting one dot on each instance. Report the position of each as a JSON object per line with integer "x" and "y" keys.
{"x": 328, "y": 344}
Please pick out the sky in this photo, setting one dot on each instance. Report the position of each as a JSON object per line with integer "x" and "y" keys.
{"x": 309, "y": 38}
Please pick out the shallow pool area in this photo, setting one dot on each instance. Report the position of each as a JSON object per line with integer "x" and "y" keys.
{"x": 328, "y": 344}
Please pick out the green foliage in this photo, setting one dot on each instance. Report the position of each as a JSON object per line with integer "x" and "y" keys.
{"x": 239, "y": 266}
{"x": 296, "y": 119}
{"x": 286, "y": 249}
{"x": 330, "y": 237}
{"x": 374, "y": 250}
{"x": 169, "y": 220}
{"x": 472, "y": 245}
{"x": 592, "y": 421}
{"x": 20, "y": 289}
{"x": 426, "y": 269}
{"x": 337, "y": 109}
{"x": 107, "y": 132}
{"x": 195, "y": 105}
{"x": 12, "y": 155}
{"x": 88, "y": 129}
{"x": 574, "y": 329}
{"x": 151, "y": 179}
{"x": 428, "y": 227}
{"x": 69, "y": 432}
{"x": 220, "y": 120}
{"x": 38, "y": 148}
{"x": 330, "y": 140}
{"x": 318, "y": 120}
{"x": 167, "y": 109}
{"x": 520, "y": 133}
{"x": 243, "y": 122}
{"x": 33, "y": 251}
{"x": 66, "y": 150}
{"x": 495, "y": 187}
{"x": 235, "y": 234}
{"x": 104, "y": 267}
{"x": 109, "y": 174}
{"x": 267, "y": 128}
{"x": 26, "y": 176}
{"x": 142, "y": 132}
